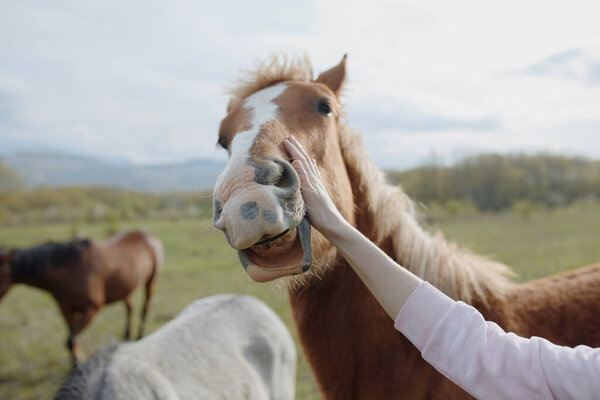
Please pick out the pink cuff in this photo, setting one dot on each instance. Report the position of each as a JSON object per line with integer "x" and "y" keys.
{"x": 421, "y": 313}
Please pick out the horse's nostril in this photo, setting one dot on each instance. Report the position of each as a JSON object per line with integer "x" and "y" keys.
{"x": 288, "y": 177}
{"x": 267, "y": 173}
{"x": 276, "y": 172}
{"x": 217, "y": 214}
{"x": 219, "y": 224}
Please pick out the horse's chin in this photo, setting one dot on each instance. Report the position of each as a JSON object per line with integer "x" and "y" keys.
{"x": 288, "y": 254}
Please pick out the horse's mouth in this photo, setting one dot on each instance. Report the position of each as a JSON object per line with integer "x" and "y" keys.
{"x": 287, "y": 253}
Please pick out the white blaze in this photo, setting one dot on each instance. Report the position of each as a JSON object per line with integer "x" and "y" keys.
{"x": 262, "y": 109}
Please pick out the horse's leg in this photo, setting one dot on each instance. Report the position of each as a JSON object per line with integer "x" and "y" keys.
{"x": 129, "y": 306}
{"x": 149, "y": 292}
{"x": 76, "y": 320}
{"x": 69, "y": 316}
{"x": 73, "y": 347}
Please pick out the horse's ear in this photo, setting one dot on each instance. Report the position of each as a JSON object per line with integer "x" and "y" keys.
{"x": 334, "y": 78}
{"x": 232, "y": 104}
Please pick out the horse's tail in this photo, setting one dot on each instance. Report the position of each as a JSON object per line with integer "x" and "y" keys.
{"x": 157, "y": 252}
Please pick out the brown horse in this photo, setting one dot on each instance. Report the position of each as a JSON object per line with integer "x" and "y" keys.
{"x": 349, "y": 340}
{"x": 84, "y": 275}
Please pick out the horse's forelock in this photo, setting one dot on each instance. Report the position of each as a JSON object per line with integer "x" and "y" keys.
{"x": 278, "y": 68}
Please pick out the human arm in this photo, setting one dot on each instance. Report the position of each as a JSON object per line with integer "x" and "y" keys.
{"x": 489, "y": 363}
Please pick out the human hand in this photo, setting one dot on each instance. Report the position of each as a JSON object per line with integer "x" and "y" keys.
{"x": 320, "y": 210}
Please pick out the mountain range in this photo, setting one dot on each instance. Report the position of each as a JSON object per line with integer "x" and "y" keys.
{"x": 58, "y": 169}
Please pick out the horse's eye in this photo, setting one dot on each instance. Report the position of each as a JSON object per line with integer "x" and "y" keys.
{"x": 323, "y": 107}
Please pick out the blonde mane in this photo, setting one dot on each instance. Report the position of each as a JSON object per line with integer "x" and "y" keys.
{"x": 457, "y": 272}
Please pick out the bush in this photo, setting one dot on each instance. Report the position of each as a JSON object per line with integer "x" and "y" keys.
{"x": 524, "y": 208}
{"x": 460, "y": 208}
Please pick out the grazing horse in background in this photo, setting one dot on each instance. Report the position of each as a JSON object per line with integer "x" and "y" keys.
{"x": 219, "y": 347}
{"x": 348, "y": 338}
{"x": 84, "y": 275}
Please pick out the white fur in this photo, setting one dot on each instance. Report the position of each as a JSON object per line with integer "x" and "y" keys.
{"x": 220, "y": 347}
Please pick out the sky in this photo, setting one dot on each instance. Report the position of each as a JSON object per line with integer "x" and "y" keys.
{"x": 428, "y": 81}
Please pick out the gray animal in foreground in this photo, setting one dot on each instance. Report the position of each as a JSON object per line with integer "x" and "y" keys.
{"x": 220, "y": 347}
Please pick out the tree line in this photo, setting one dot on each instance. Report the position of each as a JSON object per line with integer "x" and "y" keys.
{"x": 82, "y": 204}
{"x": 493, "y": 182}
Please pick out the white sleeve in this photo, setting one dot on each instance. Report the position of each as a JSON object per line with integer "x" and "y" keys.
{"x": 490, "y": 363}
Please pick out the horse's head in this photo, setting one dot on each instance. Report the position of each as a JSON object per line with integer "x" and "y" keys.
{"x": 5, "y": 274}
{"x": 257, "y": 200}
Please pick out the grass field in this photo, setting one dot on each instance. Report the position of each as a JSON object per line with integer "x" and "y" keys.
{"x": 33, "y": 359}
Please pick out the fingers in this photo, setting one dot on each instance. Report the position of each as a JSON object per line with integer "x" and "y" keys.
{"x": 299, "y": 167}
{"x": 317, "y": 169}
{"x": 298, "y": 153}
{"x": 296, "y": 150}
{"x": 313, "y": 164}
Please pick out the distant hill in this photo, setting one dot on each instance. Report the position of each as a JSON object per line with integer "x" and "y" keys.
{"x": 57, "y": 170}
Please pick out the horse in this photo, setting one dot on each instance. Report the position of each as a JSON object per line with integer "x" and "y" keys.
{"x": 348, "y": 338}
{"x": 83, "y": 275}
{"x": 219, "y": 347}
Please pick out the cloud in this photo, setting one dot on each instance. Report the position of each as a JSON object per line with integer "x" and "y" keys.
{"x": 7, "y": 109}
{"x": 573, "y": 64}
{"x": 385, "y": 113}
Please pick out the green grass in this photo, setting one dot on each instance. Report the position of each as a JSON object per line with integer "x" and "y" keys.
{"x": 546, "y": 242}
{"x": 33, "y": 359}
